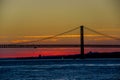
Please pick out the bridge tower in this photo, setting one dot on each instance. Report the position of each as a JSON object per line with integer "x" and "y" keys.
{"x": 82, "y": 56}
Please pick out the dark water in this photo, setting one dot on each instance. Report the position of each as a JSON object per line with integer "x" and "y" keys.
{"x": 88, "y": 69}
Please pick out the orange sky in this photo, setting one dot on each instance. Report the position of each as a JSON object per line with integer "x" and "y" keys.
{"x": 49, "y": 17}
{"x": 27, "y": 20}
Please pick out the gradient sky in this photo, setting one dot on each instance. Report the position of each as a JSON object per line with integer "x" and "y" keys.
{"x": 26, "y": 20}
{"x": 20, "y": 18}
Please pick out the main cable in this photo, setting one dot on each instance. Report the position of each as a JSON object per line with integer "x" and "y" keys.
{"x": 50, "y": 36}
{"x": 115, "y": 38}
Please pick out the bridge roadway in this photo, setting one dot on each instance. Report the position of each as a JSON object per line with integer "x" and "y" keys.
{"x": 56, "y": 46}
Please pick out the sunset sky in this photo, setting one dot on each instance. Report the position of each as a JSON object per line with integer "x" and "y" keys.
{"x": 26, "y": 20}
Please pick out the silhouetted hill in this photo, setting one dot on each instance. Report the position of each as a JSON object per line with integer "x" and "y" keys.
{"x": 103, "y": 55}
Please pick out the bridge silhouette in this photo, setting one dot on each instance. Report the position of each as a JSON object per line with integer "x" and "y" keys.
{"x": 81, "y": 46}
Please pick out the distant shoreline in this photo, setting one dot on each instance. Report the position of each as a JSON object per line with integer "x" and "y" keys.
{"x": 76, "y": 56}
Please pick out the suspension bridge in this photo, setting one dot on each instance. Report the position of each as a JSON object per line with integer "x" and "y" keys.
{"x": 30, "y": 45}
{"x": 81, "y": 45}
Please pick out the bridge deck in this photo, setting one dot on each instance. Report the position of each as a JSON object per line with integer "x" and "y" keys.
{"x": 58, "y": 46}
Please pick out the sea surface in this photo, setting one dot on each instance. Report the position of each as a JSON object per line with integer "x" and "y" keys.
{"x": 56, "y": 69}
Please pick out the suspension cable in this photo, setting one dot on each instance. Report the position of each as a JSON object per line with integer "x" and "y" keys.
{"x": 115, "y": 38}
{"x": 51, "y": 36}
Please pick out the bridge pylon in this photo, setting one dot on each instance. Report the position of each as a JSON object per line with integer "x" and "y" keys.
{"x": 82, "y": 56}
